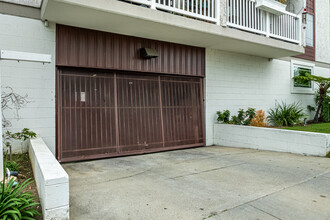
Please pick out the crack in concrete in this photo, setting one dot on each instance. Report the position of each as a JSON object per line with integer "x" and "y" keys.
{"x": 206, "y": 171}
{"x": 124, "y": 177}
{"x": 284, "y": 188}
{"x": 205, "y": 158}
{"x": 264, "y": 212}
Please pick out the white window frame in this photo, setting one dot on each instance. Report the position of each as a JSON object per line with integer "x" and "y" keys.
{"x": 302, "y": 90}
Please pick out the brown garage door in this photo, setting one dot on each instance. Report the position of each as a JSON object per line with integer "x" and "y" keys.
{"x": 106, "y": 114}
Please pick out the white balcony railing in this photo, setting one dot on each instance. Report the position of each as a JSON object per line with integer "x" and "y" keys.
{"x": 244, "y": 15}
{"x": 241, "y": 14}
{"x": 206, "y": 10}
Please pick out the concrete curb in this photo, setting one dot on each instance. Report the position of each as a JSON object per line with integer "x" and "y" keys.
{"x": 51, "y": 179}
{"x": 298, "y": 142}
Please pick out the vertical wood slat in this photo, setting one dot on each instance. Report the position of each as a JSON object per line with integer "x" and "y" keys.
{"x": 122, "y": 52}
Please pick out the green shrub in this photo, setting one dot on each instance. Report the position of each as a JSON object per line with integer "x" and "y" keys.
{"x": 249, "y": 114}
{"x": 326, "y": 108}
{"x": 243, "y": 117}
{"x": 328, "y": 155}
{"x": 223, "y": 116}
{"x": 285, "y": 114}
{"x": 235, "y": 120}
{"x": 16, "y": 204}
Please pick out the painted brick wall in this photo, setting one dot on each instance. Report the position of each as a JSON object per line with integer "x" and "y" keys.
{"x": 37, "y": 80}
{"x": 236, "y": 81}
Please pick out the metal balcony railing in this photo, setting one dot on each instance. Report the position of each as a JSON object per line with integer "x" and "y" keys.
{"x": 240, "y": 14}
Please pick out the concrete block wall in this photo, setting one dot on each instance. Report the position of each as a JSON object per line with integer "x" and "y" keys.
{"x": 35, "y": 79}
{"x": 280, "y": 140}
{"x": 235, "y": 81}
{"x": 51, "y": 179}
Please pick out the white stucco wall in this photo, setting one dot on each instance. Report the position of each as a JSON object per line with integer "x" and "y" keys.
{"x": 298, "y": 142}
{"x": 236, "y": 81}
{"x": 35, "y": 79}
{"x": 322, "y": 31}
{"x": 52, "y": 181}
{"x": 1, "y": 147}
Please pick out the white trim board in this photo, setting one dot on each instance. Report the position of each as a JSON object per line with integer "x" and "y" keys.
{"x": 24, "y": 56}
{"x": 30, "y": 3}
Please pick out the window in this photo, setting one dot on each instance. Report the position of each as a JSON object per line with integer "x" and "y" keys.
{"x": 309, "y": 30}
{"x": 302, "y": 71}
{"x": 299, "y": 68}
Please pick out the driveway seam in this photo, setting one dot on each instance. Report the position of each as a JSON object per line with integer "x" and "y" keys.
{"x": 206, "y": 171}
{"x": 125, "y": 177}
{"x": 264, "y": 211}
{"x": 261, "y": 197}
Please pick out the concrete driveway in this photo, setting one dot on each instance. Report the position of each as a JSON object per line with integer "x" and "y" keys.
{"x": 201, "y": 183}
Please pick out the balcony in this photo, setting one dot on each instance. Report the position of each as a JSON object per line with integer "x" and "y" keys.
{"x": 264, "y": 17}
{"x": 275, "y": 23}
{"x": 206, "y": 10}
{"x": 241, "y": 26}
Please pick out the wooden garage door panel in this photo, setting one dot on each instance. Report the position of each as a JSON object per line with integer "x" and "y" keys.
{"x": 106, "y": 114}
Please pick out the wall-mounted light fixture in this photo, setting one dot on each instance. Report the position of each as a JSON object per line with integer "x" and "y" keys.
{"x": 148, "y": 53}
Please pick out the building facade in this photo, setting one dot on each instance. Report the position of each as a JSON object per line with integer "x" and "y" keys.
{"x": 109, "y": 78}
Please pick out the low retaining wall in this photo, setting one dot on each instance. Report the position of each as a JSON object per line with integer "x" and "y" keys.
{"x": 51, "y": 179}
{"x": 272, "y": 139}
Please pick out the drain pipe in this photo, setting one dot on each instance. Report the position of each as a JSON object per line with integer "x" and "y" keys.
{"x": 1, "y": 145}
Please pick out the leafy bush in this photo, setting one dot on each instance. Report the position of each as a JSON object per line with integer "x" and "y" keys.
{"x": 325, "y": 111}
{"x": 243, "y": 117}
{"x": 328, "y": 155}
{"x": 285, "y": 114}
{"x": 249, "y": 114}
{"x": 16, "y": 204}
{"x": 223, "y": 116}
{"x": 23, "y": 135}
{"x": 259, "y": 119}
{"x": 235, "y": 120}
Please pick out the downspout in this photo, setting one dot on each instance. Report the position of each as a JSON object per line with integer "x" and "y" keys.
{"x": 1, "y": 143}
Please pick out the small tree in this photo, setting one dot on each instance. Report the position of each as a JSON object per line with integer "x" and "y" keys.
{"x": 323, "y": 84}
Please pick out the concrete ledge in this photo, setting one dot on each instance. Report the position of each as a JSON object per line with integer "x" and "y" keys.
{"x": 299, "y": 142}
{"x": 51, "y": 179}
